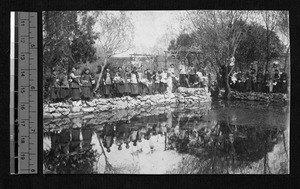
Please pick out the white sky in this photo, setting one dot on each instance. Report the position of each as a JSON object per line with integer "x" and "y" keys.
{"x": 152, "y": 29}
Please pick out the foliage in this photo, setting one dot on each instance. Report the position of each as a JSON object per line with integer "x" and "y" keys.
{"x": 253, "y": 47}
{"x": 68, "y": 40}
{"x": 80, "y": 162}
{"x": 114, "y": 35}
{"x": 222, "y": 149}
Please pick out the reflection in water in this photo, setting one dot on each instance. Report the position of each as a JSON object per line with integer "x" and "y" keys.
{"x": 220, "y": 139}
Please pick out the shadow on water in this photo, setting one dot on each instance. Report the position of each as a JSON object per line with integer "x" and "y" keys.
{"x": 219, "y": 138}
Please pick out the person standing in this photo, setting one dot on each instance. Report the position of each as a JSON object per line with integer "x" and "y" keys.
{"x": 259, "y": 81}
{"x": 64, "y": 86}
{"x": 169, "y": 83}
{"x": 192, "y": 75}
{"x": 75, "y": 83}
{"x": 55, "y": 87}
{"x": 248, "y": 82}
{"x": 182, "y": 74}
{"x": 163, "y": 81}
{"x": 157, "y": 81}
{"x": 145, "y": 83}
{"x": 150, "y": 81}
{"x": 243, "y": 82}
{"x": 86, "y": 80}
{"x": 134, "y": 82}
{"x": 119, "y": 84}
{"x": 267, "y": 82}
{"x": 140, "y": 78}
{"x": 276, "y": 81}
{"x": 200, "y": 77}
{"x": 234, "y": 80}
{"x": 283, "y": 79}
{"x": 107, "y": 81}
{"x": 127, "y": 78}
{"x": 253, "y": 79}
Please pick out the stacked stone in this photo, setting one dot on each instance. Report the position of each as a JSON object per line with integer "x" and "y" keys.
{"x": 96, "y": 120}
{"x": 265, "y": 97}
{"x": 187, "y": 96}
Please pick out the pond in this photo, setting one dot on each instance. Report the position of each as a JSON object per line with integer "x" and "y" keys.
{"x": 221, "y": 137}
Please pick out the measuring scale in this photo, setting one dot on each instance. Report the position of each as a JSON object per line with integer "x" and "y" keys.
{"x": 24, "y": 94}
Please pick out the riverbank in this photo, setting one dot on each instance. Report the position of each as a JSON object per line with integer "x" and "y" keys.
{"x": 258, "y": 96}
{"x": 186, "y": 96}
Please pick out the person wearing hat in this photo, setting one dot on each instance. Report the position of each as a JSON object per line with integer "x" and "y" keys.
{"x": 86, "y": 80}
{"x": 75, "y": 84}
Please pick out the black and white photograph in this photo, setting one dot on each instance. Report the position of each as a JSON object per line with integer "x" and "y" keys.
{"x": 166, "y": 92}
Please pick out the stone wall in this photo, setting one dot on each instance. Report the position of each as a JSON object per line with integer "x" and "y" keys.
{"x": 256, "y": 96}
{"x": 185, "y": 96}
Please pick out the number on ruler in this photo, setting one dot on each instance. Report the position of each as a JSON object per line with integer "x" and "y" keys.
{"x": 22, "y": 156}
{"x": 22, "y": 40}
{"x": 22, "y": 57}
{"x": 22, "y": 73}
{"x": 22, "y": 107}
{"x": 22, "y": 123}
{"x": 22, "y": 23}
{"x": 22, "y": 89}
{"x": 22, "y": 140}
{"x": 32, "y": 45}
{"x": 32, "y": 87}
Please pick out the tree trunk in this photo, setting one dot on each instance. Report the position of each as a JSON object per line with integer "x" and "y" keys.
{"x": 227, "y": 87}
{"x": 100, "y": 75}
{"x": 267, "y": 64}
{"x": 286, "y": 56}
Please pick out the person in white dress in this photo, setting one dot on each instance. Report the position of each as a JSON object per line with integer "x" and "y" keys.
{"x": 163, "y": 81}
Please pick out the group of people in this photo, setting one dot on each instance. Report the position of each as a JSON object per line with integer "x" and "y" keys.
{"x": 76, "y": 85}
{"x": 252, "y": 81}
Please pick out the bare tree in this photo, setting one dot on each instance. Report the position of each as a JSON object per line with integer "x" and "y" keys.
{"x": 270, "y": 22}
{"x": 218, "y": 34}
{"x": 115, "y": 34}
{"x": 283, "y": 28}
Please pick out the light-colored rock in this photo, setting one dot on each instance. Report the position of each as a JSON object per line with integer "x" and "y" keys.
{"x": 75, "y": 114}
{"x": 91, "y": 103}
{"x": 88, "y": 110}
{"x": 76, "y": 109}
{"x": 103, "y": 107}
{"x": 52, "y": 110}
{"x": 65, "y": 112}
{"x": 47, "y": 116}
{"x": 56, "y": 115}
{"x": 77, "y": 103}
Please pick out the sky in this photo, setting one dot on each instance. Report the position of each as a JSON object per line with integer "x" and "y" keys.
{"x": 153, "y": 29}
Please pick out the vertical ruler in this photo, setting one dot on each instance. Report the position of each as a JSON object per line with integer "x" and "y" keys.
{"x": 26, "y": 95}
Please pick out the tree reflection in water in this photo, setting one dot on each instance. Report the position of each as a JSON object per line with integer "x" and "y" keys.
{"x": 208, "y": 144}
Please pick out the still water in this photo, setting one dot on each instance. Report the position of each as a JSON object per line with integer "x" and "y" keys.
{"x": 222, "y": 137}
